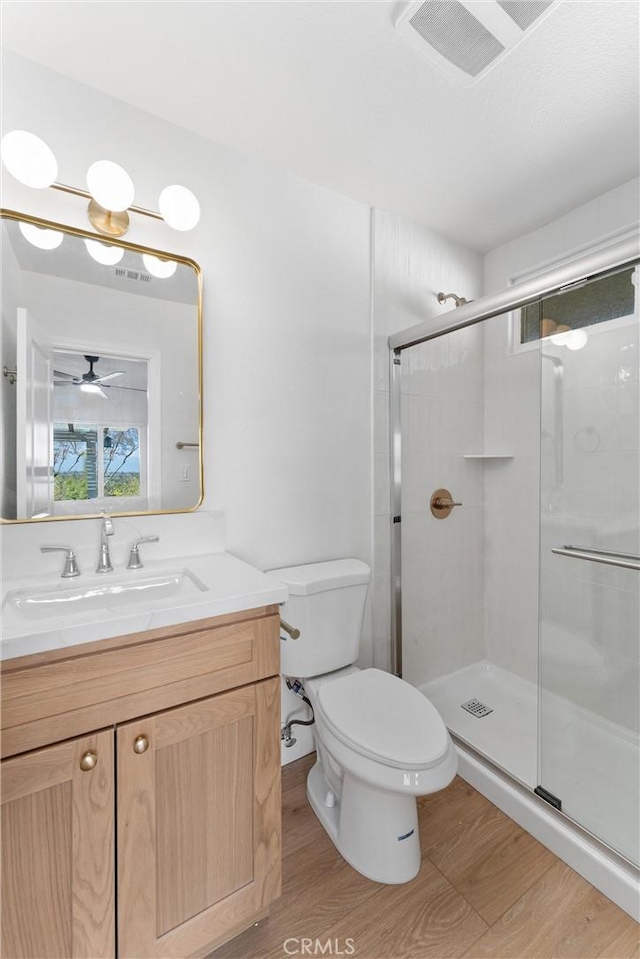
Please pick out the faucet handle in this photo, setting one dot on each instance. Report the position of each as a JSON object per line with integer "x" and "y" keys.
{"x": 71, "y": 567}
{"x": 134, "y": 556}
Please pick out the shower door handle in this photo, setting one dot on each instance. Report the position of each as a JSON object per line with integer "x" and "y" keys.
{"x": 624, "y": 560}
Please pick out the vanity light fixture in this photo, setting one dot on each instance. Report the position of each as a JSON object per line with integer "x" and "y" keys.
{"x": 159, "y": 267}
{"x": 40, "y": 237}
{"x": 110, "y": 188}
{"x": 562, "y": 335}
{"x": 112, "y": 193}
{"x": 576, "y": 339}
{"x": 179, "y": 207}
{"x": 110, "y": 185}
{"x": 104, "y": 253}
{"x": 29, "y": 159}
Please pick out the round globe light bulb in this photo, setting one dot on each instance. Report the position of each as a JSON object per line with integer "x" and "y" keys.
{"x": 104, "y": 253}
{"x": 43, "y": 239}
{"x": 110, "y": 185}
{"x": 561, "y": 337}
{"x": 29, "y": 159}
{"x": 163, "y": 269}
{"x": 576, "y": 339}
{"x": 179, "y": 207}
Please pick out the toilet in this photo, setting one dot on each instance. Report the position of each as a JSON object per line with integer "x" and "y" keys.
{"x": 380, "y": 743}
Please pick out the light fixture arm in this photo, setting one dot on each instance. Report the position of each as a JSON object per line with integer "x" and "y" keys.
{"x": 85, "y": 193}
{"x": 106, "y": 221}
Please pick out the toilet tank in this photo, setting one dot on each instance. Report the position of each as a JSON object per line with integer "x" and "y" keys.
{"x": 326, "y": 603}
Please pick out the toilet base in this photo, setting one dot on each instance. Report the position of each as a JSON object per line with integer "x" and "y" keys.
{"x": 375, "y": 831}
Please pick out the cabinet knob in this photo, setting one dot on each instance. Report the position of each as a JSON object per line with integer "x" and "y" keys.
{"x": 140, "y": 744}
{"x": 89, "y": 761}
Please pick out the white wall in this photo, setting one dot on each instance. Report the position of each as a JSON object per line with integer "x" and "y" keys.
{"x": 440, "y": 381}
{"x": 287, "y": 344}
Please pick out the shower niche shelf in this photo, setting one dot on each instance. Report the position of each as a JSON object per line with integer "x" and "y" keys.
{"x": 487, "y": 456}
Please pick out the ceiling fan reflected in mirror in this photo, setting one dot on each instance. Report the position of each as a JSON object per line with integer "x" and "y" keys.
{"x": 89, "y": 382}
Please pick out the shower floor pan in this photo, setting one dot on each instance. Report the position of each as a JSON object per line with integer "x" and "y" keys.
{"x": 598, "y": 785}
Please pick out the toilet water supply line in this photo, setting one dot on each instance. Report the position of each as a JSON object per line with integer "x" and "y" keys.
{"x": 297, "y": 688}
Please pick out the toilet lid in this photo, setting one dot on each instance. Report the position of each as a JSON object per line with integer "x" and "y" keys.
{"x": 384, "y": 718}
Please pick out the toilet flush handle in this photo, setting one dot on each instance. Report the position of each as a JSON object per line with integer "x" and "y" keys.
{"x": 291, "y": 630}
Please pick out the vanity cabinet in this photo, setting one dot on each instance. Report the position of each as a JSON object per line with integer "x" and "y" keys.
{"x": 185, "y": 799}
{"x": 58, "y": 843}
{"x": 199, "y": 811}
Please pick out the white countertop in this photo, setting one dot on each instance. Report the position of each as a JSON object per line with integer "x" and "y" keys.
{"x": 230, "y": 585}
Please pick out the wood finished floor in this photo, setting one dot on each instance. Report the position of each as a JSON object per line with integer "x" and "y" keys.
{"x": 485, "y": 889}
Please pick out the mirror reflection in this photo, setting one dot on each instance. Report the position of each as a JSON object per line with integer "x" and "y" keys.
{"x": 100, "y": 351}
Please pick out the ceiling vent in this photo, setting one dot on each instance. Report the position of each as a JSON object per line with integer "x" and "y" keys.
{"x": 467, "y": 38}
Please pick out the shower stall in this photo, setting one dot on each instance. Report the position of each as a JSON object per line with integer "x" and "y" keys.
{"x": 517, "y": 611}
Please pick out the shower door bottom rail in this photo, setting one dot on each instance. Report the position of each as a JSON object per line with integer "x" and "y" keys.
{"x": 624, "y": 560}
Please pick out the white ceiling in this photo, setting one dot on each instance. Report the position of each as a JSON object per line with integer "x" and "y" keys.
{"x": 329, "y": 91}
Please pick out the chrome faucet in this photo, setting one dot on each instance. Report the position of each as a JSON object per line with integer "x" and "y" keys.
{"x": 71, "y": 567}
{"x": 104, "y": 558}
{"x": 134, "y": 556}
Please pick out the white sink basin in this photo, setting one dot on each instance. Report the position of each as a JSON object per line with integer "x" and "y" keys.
{"x": 135, "y": 590}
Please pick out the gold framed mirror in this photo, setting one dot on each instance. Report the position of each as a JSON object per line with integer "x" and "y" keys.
{"x": 101, "y": 358}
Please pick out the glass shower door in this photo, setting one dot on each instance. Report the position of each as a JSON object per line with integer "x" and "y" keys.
{"x": 589, "y": 621}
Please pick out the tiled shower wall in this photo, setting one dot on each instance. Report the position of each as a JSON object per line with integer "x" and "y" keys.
{"x": 443, "y": 572}
{"x": 511, "y": 501}
{"x": 411, "y": 266}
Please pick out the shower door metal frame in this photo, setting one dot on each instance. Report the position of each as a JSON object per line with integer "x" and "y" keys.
{"x": 622, "y": 253}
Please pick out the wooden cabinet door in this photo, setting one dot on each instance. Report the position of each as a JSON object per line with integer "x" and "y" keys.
{"x": 198, "y": 800}
{"x": 58, "y": 890}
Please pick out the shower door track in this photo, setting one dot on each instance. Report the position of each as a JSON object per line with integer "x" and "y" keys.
{"x": 614, "y": 257}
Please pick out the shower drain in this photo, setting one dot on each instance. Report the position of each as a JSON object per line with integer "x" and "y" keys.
{"x": 476, "y": 708}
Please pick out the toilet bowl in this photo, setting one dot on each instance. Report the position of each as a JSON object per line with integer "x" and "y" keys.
{"x": 380, "y": 743}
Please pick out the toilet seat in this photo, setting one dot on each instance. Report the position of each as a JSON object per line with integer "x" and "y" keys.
{"x": 383, "y": 718}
